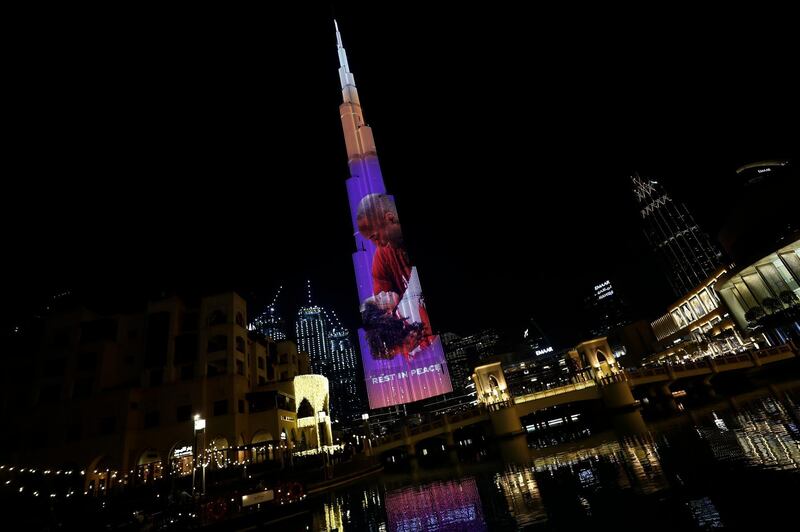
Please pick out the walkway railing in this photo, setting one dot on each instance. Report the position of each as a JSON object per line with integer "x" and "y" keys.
{"x": 554, "y": 391}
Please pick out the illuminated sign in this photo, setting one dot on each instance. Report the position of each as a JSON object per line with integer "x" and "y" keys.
{"x": 543, "y": 351}
{"x": 199, "y": 424}
{"x": 182, "y": 451}
{"x": 258, "y": 497}
{"x": 287, "y": 418}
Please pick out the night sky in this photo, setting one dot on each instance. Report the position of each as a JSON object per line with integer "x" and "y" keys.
{"x": 205, "y": 150}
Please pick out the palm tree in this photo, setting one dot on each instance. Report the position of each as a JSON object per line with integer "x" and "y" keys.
{"x": 753, "y": 315}
{"x": 789, "y": 298}
{"x": 772, "y": 305}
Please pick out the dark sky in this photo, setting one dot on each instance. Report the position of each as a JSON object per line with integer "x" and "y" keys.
{"x": 204, "y": 148}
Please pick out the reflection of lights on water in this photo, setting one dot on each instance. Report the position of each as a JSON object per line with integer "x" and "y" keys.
{"x": 720, "y": 423}
{"x": 764, "y": 435}
{"x": 705, "y": 513}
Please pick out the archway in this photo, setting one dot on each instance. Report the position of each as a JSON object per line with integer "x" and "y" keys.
{"x": 218, "y": 450}
{"x": 262, "y": 446}
{"x": 100, "y": 476}
{"x": 181, "y": 459}
{"x": 149, "y": 466}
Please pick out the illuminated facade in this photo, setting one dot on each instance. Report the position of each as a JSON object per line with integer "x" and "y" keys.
{"x": 343, "y": 369}
{"x": 685, "y": 251}
{"x": 312, "y": 337}
{"x": 312, "y": 397}
{"x": 766, "y": 294}
{"x": 605, "y": 309}
{"x": 403, "y": 359}
{"x": 119, "y": 392}
{"x": 270, "y": 324}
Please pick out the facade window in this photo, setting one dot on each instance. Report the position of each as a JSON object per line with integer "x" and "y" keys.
{"x": 217, "y": 317}
{"x": 187, "y": 373}
{"x": 183, "y": 413}
{"x": 218, "y": 342}
{"x": 284, "y": 375}
{"x": 217, "y": 367}
{"x": 260, "y": 362}
{"x": 261, "y": 380}
{"x": 241, "y": 406}
{"x": 239, "y": 367}
{"x": 240, "y": 344}
{"x": 221, "y": 407}
{"x": 271, "y": 373}
{"x": 151, "y": 419}
{"x": 239, "y": 319}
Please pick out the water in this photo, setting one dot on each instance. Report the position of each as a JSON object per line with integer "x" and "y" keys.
{"x": 735, "y": 464}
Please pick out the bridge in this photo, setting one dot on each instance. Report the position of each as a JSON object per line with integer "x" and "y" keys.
{"x": 614, "y": 390}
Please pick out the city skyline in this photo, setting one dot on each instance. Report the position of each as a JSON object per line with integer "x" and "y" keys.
{"x": 661, "y": 126}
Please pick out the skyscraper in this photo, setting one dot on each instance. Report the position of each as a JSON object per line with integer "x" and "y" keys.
{"x": 403, "y": 360}
{"x": 269, "y": 322}
{"x": 685, "y": 251}
{"x": 342, "y": 371}
{"x": 312, "y": 335}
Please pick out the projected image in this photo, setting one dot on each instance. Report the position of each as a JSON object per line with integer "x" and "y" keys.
{"x": 403, "y": 359}
{"x": 394, "y": 317}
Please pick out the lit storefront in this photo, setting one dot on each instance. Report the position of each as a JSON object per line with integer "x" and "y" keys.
{"x": 768, "y": 288}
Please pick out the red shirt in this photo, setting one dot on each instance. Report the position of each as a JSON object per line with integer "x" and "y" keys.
{"x": 391, "y": 270}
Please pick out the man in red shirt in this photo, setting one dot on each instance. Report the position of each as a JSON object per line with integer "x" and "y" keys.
{"x": 392, "y": 269}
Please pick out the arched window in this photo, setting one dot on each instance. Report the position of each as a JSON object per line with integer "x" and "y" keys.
{"x": 601, "y": 357}
{"x": 493, "y": 381}
{"x": 305, "y": 409}
{"x": 217, "y": 342}
{"x": 217, "y": 317}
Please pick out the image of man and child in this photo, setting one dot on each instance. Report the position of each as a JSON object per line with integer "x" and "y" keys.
{"x": 395, "y": 319}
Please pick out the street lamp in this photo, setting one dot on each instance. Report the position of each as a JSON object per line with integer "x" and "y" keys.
{"x": 199, "y": 424}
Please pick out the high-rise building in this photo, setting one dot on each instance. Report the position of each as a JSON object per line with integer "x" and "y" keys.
{"x": 312, "y": 337}
{"x": 605, "y": 309}
{"x": 685, "y": 251}
{"x": 403, "y": 359}
{"x": 269, "y": 322}
{"x": 343, "y": 371}
{"x": 463, "y": 354}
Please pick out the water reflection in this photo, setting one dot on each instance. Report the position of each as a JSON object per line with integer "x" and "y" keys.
{"x": 441, "y": 506}
{"x": 689, "y": 473}
{"x": 765, "y": 435}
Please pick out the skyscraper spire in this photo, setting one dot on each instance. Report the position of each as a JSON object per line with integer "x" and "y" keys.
{"x": 348, "y": 83}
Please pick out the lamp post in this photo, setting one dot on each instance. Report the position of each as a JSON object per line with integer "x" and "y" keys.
{"x": 365, "y": 417}
{"x": 199, "y": 424}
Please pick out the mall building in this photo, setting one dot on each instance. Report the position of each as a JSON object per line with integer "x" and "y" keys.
{"x": 131, "y": 396}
